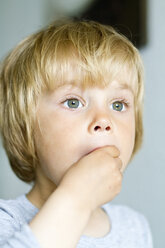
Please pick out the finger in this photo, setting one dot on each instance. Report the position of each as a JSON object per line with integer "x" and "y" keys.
{"x": 113, "y": 151}
{"x": 119, "y": 163}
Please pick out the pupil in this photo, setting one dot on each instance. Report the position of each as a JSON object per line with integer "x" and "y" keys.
{"x": 118, "y": 106}
{"x": 73, "y": 103}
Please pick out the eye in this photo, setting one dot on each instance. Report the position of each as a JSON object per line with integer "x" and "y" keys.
{"x": 73, "y": 103}
{"x": 118, "y": 106}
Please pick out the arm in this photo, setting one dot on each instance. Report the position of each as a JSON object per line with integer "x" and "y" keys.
{"x": 89, "y": 183}
{"x": 12, "y": 233}
{"x": 60, "y": 222}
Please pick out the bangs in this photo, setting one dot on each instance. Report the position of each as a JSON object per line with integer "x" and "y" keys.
{"x": 98, "y": 68}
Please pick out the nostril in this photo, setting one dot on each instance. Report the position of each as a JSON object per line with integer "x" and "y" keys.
{"x": 99, "y": 128}
{"x": 96, "y": 128}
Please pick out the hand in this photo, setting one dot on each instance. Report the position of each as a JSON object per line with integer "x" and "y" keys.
{"x": 95, "y": 179}
{"x": 92, "y": 181}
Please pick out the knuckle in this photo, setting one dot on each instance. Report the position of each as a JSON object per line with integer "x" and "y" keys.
{"x": 103, "y": 155}
{"x": 113, "y": 150}
{"x": 119, "y": 163}
{"x": 100, "y": 152}
{"x": 119, "y": 178}
{"x": 118, "y": 190}
{"x": 119, "y": 185}
{"x": 116, "y": 151}
{"x": 114, "y": 166}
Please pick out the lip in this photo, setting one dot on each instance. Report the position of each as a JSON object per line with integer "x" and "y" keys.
{"x": 93, "y": 150}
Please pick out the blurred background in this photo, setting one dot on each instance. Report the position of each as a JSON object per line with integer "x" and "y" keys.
{"x": 143, "y": 22}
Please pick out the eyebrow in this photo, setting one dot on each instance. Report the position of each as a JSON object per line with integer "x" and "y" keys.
{"x": 124, "y": 86}
{"x": 73, "y": 84}
{"x": 66, "y": 83}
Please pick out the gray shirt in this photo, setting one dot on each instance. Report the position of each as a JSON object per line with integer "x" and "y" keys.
{"x": 129, "y": 229}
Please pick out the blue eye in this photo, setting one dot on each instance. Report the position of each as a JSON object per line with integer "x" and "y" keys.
{"x": 118, "y": 106}
{"x": 73, "y": 103}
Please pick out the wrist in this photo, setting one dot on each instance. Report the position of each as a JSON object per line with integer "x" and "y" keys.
{"x": 61, "y": 221}
{"x": 73, "y": 200}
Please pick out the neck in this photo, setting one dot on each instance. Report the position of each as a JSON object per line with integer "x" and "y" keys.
{"x": 41, "y": 192}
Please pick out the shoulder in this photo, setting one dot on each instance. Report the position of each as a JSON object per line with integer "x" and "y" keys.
{"x": 129, "y": 223}
{"x": 18, "y": 209}
{"x": 127, "y": 216}
{"x": 123, "y": 212}
{"x": 14, "y": 214}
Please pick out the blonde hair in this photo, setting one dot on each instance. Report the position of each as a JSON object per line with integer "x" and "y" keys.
{"x": 95, "y": 53}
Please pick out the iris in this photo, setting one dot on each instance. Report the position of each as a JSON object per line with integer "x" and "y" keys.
{"x": 118, "y": 106}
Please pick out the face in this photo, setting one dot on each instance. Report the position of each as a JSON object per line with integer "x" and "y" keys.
{"x": 72, "y": 122}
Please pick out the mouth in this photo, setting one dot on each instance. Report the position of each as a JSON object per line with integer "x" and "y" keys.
{"x": 94, "y": 149}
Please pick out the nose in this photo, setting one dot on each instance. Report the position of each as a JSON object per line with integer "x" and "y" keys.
{"x": 100, "y": 124}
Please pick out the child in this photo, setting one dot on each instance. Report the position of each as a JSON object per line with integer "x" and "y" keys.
{"x": 71, "y": 119}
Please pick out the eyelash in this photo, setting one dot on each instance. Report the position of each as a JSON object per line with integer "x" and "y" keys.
{"x": 73, "y": 97}
{"x": 121, "y": 100}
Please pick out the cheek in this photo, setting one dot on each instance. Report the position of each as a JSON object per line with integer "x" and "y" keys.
{"x": 127, "y": 141}
{"x": 57, "y": 143}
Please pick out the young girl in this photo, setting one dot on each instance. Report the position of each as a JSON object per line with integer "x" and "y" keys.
{"x": 71, "y": 120}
